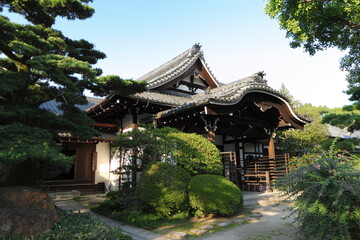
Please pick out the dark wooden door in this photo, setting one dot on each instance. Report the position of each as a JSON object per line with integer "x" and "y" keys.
{"x": 84, "y": 171}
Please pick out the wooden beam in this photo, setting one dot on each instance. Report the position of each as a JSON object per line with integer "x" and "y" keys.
{"x": 104, "y": 125}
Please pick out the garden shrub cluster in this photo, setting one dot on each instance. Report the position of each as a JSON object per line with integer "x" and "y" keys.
{"x": 164, "y": 187}
{"x": 328, "y": 197}
{"x": 169, "y": 161}
{"x": 213, "y": 194}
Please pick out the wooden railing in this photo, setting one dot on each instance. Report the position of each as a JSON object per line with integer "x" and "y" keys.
{"x": 256, "y": 173}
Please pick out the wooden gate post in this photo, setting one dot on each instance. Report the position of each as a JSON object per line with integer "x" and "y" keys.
{"x": 268, "y": 181}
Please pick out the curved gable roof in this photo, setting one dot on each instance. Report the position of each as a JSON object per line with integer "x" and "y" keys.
{"x": 231, "y": 94}
{"x": 175, "y": 67}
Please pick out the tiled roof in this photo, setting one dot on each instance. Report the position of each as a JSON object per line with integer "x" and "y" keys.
{"x": 228, "y": 94}
{"x": 53, "y": 106}
{"x": 174, "y": 68}
{"x": 161, "y": 98}
{"x": 342, "y": 133}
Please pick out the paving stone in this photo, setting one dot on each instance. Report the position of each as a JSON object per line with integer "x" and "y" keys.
{"x": 179, "y": 235}
{"x": 253, "y": 220}
{"x": 199, "y": 231}
{"x": 207, "y": 227}
{"x": 238, "y": 221}
{"x": 256, "y": 215}
{"x": 223, "y": 224}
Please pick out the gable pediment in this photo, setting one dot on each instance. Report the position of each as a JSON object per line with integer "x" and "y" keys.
{"x": 186, "y": 73}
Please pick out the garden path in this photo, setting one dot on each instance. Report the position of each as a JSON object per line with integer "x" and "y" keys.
{"x": 270, "y": 226}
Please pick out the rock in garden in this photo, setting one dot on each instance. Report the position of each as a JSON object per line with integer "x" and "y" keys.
{"x": 198, "y": 231}
{"x": 223, "y": 224}
{"x": 25, "y": 211}
{"x": 179, "y": 235}
{"x": 207, "y": 227}
{"x": 238, "y": 221}
{"x": 256, "y": 215}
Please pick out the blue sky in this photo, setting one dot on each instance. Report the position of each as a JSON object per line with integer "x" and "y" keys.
{"x": 237, "y": 39}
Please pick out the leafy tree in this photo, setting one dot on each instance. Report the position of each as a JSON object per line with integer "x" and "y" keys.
{"x": 344, "y": 119}
{"x": 327, "y": 196}
{"x": 38, "y": 64}
{"x": 149, "y": 144}
{"x": 300, "y": 141}
{"x": 283, "y": 90}
{"x": 316, "y": 25}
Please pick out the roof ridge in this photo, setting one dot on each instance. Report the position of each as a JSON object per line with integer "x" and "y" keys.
{"x": 165, "y": 94}
{"x": 175, "y": 67}
{"x": 193, "y": 50}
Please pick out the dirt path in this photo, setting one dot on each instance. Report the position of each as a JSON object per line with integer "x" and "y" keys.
{"x": 270, "y": 226}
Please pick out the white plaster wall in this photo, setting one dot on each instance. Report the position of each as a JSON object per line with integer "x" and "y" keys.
{"x": 103, "y": 162}
{"x": 114, "y": 164}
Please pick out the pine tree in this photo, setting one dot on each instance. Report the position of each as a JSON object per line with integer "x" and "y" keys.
{"x": 38, "y": 64}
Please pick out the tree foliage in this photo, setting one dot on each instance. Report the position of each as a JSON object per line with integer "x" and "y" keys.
{"x": 192, "y": 152}
{"x": 327, "y": 194}
{"x": 316, "y": 25}
{"x": 346, "y": 119}
{"x": 38, "y": 64}
{"x": 300, "y": 141}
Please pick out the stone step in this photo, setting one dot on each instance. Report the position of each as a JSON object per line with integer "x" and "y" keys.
{"x": 59, "y": 196}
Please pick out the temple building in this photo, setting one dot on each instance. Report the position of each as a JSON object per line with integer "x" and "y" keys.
{"x": 240, "y": 118}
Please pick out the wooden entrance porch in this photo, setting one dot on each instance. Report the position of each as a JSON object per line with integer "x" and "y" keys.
{"x": 257, "y": 175}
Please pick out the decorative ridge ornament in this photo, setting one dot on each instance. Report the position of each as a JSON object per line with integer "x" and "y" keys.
{"x": 195, "y": 49}
{"x": 259, "y": 77}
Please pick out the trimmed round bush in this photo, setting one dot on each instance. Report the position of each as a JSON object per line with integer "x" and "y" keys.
{"x": 213, "y": 194}
{"x": 163, "y": 186}
{"x": 196, "y": 154}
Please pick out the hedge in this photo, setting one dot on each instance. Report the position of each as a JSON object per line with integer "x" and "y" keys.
{"x": 163, "y": 186}
{"x": 213, "y": 194}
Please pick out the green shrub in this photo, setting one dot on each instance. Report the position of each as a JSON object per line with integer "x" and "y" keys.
{"x": 115, "y": 202}
{"x": 78, "y": 226}
{"x": 213, "y": 194}
{"x": 196, "y": 154}
{"x": 328, "y": 197}
{"x": 163, "y": 186}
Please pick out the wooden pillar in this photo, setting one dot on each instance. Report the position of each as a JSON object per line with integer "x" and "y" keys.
{"x": 134, "y": 159}
{"x": 271, "y": 147}
{"x": 268, "y": 181}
